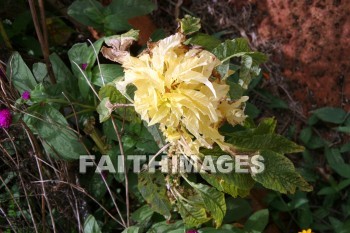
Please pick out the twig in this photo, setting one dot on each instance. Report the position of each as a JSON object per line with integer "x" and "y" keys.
{"x": 121, "y": 148}
{"x": 44, "y": 198}
{"x": 4, "y": 36}
{"x": 44, "y": 44}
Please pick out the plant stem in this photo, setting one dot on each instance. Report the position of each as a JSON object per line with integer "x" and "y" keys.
{"x": 77, "y": 113}
{"x": 125, "y": 172}
{"x": 61, "y": 101}
{"x": 42, "y": 37}
{"x": 4, "y": 36}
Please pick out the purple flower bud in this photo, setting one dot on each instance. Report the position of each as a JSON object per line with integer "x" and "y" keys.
{"x": 26, "y": 95}
{"x": 5, "y": 118}
{"x": 192, "y": 231}
{"x": 84, "y": 66}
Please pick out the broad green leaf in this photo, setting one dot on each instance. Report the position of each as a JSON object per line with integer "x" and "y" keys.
{"x": 132, "y": 229}
{"x": 249, "y": 60}
{"x": 81, "y": 54}
{"x": 236, "y": 91}
{"x": 266, "y": 126}
{"x": 251, "y": 110}
{"x": 112, "y": 17}
{"x": 95, "y": 185}
{"x": 50, "y": 125}
{"x": 214, "y": 230}
{"x": 250, "y": 141}
{"x": 305, "y": 135}
{"x": 109, "y": 73}
{"x": 104, "y": 109}
{"x": 257, "y": 222}
{"x": 63, "y": 75}
{"x": 337, "y": 163}
{"x": 38, "y": 94}
{"x": 231, "y": 48}
{"x": 189, "y": 25}
{"x": 237, "y": 208}
{"x": 166, "y": 227}
{"x": 111, "y": 92}
{"x": 206, "y": 41}
{"x": 91, "y": 226}
{"x": 331, "y": 115}
{"x": 153, "y": 189}
{"x": 280, "y": 174}
{"x": 343, "y": 129}
{"x": 142, "y": 215}
{"x": 214, "y": 201}
{"x": 117, "y": 23}
{"x": 21, "y": 76}
{"x": 192, "y": 215}
{"x": 127, "y": 9}
{"x": 89, "y": 13}
{"x": 40, "y": 72}
{"x": 235, "y": 184}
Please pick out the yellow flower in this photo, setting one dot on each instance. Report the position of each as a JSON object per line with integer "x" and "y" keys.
{"x": 306, "y": 231}
{"x": 176, "y": 89}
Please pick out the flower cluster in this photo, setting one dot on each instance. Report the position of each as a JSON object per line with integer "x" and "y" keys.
{"x": 177, "y": 88}
{"x": 5, "y": 118}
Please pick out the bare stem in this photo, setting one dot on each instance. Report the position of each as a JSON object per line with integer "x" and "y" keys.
{"x": 121, "y": 148}
{"x": 42, "y": 37}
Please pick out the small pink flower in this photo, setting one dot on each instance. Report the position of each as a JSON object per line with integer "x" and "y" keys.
{"x": 192, "y": 231}
{"x": 26, "y": 95}
{"x": 84, "y": 66}
{"x": 5, "y": 118}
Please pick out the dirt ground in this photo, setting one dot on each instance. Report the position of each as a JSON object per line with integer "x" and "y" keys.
{"x": 308, "y": 42}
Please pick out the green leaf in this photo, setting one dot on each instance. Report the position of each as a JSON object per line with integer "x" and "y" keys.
{"x": 63, "y": 75}
{"x": 236, "y": 91}
{"x": 91, "y": 226}
{"x": 280, "y": 174}
{"x": 40, "y": 72}
{"x": 95, "y": 185}
{"x": 206, "y": 41}
{"x": 337, "y": 163}
{"x": 153, "y": 189}
{"x": 142, "y": 215}
{"x": 237, "y": 208}
{"x": 249, "y": 60}
{"x": 305, "y": 135}
{"x": 235, "y": 184}
{"x": 21, "y": 76}
{"x": 189, "y": 25}
{"x": 131, "y": 8}
{"x": 214, "y": 201}
{"x": 104, "y": 109}
{"x": 132, "y": 229}
{"x": 111, "y": 92}
{"x": 266, "y": 126}
{"x": 250, "y": 141}
{"x": 343, "y": 129}
{"x": 257, "y": 222}
{"x": 80, "y": 54}
{"x": 331, "y": 115}
{"x": 53, "y": 129}
{"x": 109, "y": 73}
{"x": 89, "y": 13}
{"x": 192, "y": 215}
{"x": 165, "y": 227}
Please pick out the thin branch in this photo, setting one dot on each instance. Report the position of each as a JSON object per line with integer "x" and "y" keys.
{"x": 44, "y": 44}
{"x": 121, "y": 148}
